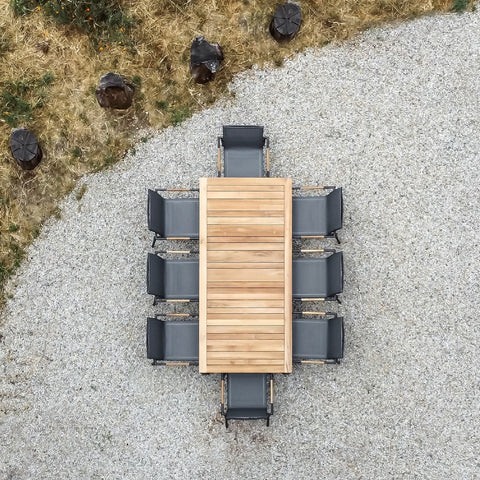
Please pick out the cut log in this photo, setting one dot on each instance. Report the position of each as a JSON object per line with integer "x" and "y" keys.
{"x": 286, "y": 22}
{"x": 114, "y": 92}
{"x": 205, "y": 60}
{"x": 25, "y": 148}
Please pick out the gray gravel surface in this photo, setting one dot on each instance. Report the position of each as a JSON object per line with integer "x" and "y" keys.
{"x": 393, "y": 117}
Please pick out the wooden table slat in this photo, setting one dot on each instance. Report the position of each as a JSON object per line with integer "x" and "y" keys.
{"x": 246, "y": 220}
{"x": 246, "y": 256}
{"x": 259, "y": 194}
{"x": 245, "y": 243}
{"x": 231, "y": 329}
{"x": 245, "y": 213}
{"x": 245, "y": 188}
{"x": 233, "y": 310}
{"x": 253, "y": 204}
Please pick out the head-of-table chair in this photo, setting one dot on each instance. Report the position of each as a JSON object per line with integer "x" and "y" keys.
{"x": 249, "y": 396}
{"x": 172, "y": 342}
{"x": 243, "y": 151}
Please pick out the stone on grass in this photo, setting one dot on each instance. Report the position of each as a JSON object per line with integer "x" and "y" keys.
{"x": 286, "y": 22}
{"x": 205, "y": 60}
{"x": 114, "y": 92}
{"x": 25, "y": 148}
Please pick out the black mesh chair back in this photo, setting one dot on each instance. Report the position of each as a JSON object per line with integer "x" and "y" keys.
{"x": 319, "y": 215}
{"x": 172, "y": 279}
{"x": 247, "y": 396}
{"x": 243, "y": 150}
{"x": 317, "y": 338}
{"x": 172, "y": 340}
{"x": 317, "y": 277}
{"x": 173, "y": 217}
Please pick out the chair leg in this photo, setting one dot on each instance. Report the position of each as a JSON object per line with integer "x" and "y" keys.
{"x": 226, "y": 423}
{"x": 337, "y": 239}
{"x": 154, "y": 240}
{"x": 268, "y": 421}
{"x": 338, "y": 300}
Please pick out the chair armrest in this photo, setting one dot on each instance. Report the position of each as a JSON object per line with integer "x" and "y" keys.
{"x": 268, "y": 161}
{"x": 321, "y": 314}
{"x": 219, "y": 156}
{"x": 222, "y": 396}
{"x": 317, "y": 250}
{"x": 271, "y": 395}
{"x": 177, "y": 189}
{"x": 186, "y": 252}
{"x": 315, "y": 187}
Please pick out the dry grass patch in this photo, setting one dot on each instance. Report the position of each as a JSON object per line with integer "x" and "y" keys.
{"x": 50, "y": 67}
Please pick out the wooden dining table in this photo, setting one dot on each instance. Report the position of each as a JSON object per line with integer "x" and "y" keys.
{"x": 245, "y": 275}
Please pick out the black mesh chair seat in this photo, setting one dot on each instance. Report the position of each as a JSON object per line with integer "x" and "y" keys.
{"x": 317, "y": 338}
{"x": 317, "y": 277}
{"x": 245, "y": 162}
{"x": 319, "y": 215}
{"x": 247, "y": 396}
{"x": 172, "y": 279}
{"x": 172, "y": 340}
{"x": 243, "y": 150}
{"x": 173, "y": 217}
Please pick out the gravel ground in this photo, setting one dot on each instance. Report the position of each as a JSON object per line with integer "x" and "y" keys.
{"x": 393, "y": 117}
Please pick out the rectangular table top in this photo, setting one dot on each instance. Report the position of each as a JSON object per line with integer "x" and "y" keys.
{"x": 245, "y": 284}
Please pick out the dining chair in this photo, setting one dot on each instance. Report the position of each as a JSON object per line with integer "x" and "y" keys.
{"x": 318, "y": 339}
{"x": 172, "y": 280}
{"x": 249, "y": 396}
{"x": 172, "y": 218}
{"x": 172, "y": 342}
{"x": 318, "y": 216}
{"x": 318, "y": 278}
{"x": 242, "y": 151}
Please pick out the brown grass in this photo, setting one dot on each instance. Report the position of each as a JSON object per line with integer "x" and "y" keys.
{"x": 78, "y": 136}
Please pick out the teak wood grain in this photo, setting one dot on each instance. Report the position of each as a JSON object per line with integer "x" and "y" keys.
{"x": 245, "y": 311}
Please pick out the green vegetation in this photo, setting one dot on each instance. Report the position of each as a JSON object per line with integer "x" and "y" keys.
{"x": 179, "y": 115}
{"x": 19, "y": 98}
{"x": 103, "y": 21}
{"x": 460, "y": 5}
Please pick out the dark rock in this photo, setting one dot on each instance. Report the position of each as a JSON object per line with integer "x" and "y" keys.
{"x": 205, "y": 60}
{"x": 114, "y": 92}
{"x": 25, "y": 148}
{"x": 286, "y": 22}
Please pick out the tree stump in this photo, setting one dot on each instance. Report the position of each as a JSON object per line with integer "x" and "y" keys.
{"x": 25, "y": 148}
{"x": 286, "y": 22}
{"x": 114, "y": 92}
{"x": 205, "y": 60}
